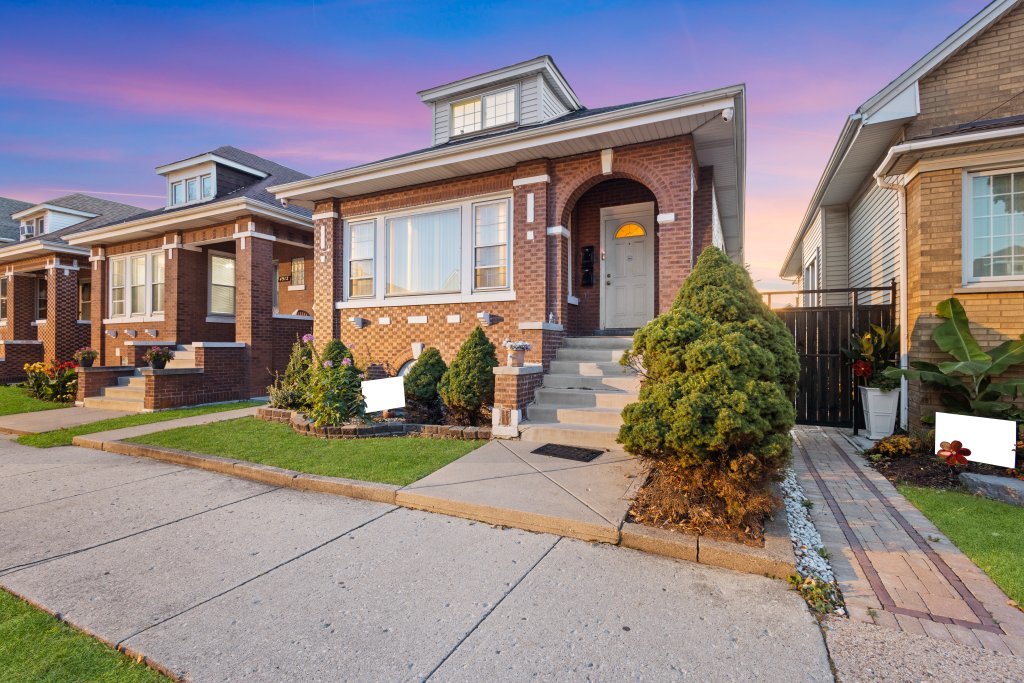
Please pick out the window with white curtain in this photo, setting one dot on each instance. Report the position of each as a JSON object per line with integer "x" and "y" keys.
{"x": 136, "y": 284}
{"x": 156, "y": 278}
{"x": 360, "y": 258}
{"x": 423, "y": 253}
{"x": 222, "y": 284}
{"x": 490, "y": 245}
{"x": 994, "y": 245}
{"x": 137, "y": 288}
{"x": 117, "y": 281}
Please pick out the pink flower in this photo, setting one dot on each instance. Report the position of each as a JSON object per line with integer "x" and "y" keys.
{"x": 307, "y": 339}
{"x": 346, "y": 361}
{"x": 328, "y": 363}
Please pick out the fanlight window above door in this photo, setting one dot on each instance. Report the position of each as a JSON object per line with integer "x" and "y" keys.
{"x": 630, "y": 230}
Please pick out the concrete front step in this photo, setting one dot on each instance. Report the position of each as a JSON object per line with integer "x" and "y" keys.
{"x": 181, "y": 363}
{"x": 572, "y": 381}
{"x": 620, "y": 343}
{"x": 582, "y": 398}
{"x": 605, "y": 417}
{"x": 588, "y": 368}
{"x": 589, "y": 355}
{"x": 585, "y": 436}
{"x": 105, "y": 403}
{"x": 126, "y": 393}
{"x": 132, "y": 381}
{"x": 183, "y": 354}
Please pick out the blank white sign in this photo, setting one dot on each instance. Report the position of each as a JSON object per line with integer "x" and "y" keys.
{"x": 384, "y": 394}
{"x": 990, "y": 441}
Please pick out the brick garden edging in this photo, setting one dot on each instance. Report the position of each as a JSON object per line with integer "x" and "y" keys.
{"x": 301, "y": 425}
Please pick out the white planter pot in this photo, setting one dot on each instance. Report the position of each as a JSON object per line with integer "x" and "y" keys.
{"x": 879, "y": 411}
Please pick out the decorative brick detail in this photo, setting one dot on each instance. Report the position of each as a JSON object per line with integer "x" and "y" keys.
{"x": 20, "y": 308}
{"x": 92, "y": 381}
{"x": 13, "y": 357}
{"x": 327, "y": 270}
{"x": 254, "y": 277}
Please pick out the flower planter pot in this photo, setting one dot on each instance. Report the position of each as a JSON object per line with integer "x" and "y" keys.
{"x": 879, "y": 411}
{"x": 516, "y": 358}
{"x": 87, "y": 362}
{"x": 157, "y": 364}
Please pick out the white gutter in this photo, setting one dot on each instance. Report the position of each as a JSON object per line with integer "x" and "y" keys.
{"x": 51, "y": 207}
{"x": 901, "y": 194}
{"x": 39, "y": 246}
{"x": 243, "y": 204}
{"x": 897, "y": 151}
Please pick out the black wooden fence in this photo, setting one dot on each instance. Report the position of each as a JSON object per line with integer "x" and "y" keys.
{"x": 827, "y": 394}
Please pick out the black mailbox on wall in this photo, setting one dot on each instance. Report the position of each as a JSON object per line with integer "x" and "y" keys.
{"x": 587, "y": 269}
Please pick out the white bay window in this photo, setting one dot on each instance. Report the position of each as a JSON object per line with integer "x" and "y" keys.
{"x": 994, "y": 226}
{"x": 136, "y": 286}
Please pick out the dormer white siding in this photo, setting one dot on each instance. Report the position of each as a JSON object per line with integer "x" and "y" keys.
{"x": 49, "y": 220}
{"x": 551, "y": 106}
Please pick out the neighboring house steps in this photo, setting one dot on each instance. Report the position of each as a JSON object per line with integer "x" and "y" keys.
{"x": 581, "y": 400}
{"x": 130, "y": 392}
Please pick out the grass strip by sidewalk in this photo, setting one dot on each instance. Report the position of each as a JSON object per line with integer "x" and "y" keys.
{"x": 386, "y": 460}
{"x": 15, "y": 400}
{"x": 35, "y": 646}
{"x": 987, "y": 531}
{"x": 62, "y": 437}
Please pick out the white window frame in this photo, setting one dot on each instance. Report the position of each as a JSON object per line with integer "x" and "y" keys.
{"x": 967, "y": 228}
{"x": 387, "y": 256}
{"x": 183, "y": 183}
{"x": 294, "y": 282}
{"x": 810, "y": 278}
{"x": 467, "y": 293}
{"x": 209, "y": 284}
{"x": 202, "y": 186}
{"x": 373, "y": 258}
{"x": 483, "y": 113}
{"x": 5, "y": 290}
{"x": 147, "y": 314}
{"x": 41, "y": 311}
{"x": 82, "y": 284}
{"x": 508, "y": 245}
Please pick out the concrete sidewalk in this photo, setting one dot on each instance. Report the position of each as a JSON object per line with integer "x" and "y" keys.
{"x": 48, "y": 420}
{"x": 219, "y": 578}
{"x": 96, "y": 439}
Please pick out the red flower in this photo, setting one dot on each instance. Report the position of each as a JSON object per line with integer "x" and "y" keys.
{"x": 862, "y": 368}
{"x": 953, "y": 453}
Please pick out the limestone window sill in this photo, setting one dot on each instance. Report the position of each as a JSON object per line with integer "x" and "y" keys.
{"x": 296, "y": 288}
{"x": 229, "y": 319}
{"x": 990, "y": 288}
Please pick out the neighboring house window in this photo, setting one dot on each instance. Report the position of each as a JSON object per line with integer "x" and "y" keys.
{"x": 298, "y": 271}
{"x": 41, "y": 295}
{"x": 423, "y": 253}
{"x": 487, "y": 111}
{"x": 207, "y": 181}
{"x": 994, "y": 247}
{"x": 222, "y": 284}
{"x": 177, "y": 193}
{"x": 40, "y": 225}
{"x": 84, "y": 300}
{"x": 192, "y": 189}
{"x": 490, "y": 255}
{"x": 811, "y": 282}
{"x": 136, "y": 285}
{"x": 4, "y": 284}
{"x": 360, "y": 258}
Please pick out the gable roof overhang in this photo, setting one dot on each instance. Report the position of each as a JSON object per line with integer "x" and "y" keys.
{"x": 204, "y": 158}
{"x": 39, "y": 208}
{"x": 19, "y": 252}
{"x": 543, "y": 64}
{"x": 718, "y": 143}
{"x": 872, "y": 129}
{"x": 903, "y": 158}
{"x": 200, "y": 216}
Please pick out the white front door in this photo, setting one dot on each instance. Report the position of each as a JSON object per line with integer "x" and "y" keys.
{"x": 627, "y": 242}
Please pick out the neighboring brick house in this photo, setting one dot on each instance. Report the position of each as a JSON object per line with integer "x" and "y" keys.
{"x": 219, "y": 273}
{"x": 926, "y": 186}
{"x": 529, "y": 214}
{"x": 45, "y": 283}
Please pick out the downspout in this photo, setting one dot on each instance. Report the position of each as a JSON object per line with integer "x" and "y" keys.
{"x": 901, "y": 196}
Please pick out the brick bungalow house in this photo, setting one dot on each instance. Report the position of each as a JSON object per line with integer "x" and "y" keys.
{"x": 218, "y": 274}
{"x": 926, "y": 186}
{"x": 45, "y": 283}
{"x": 529, "y": 214}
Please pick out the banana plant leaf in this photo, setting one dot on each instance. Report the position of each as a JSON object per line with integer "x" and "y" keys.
{"x": 954, "y": 335}
{"x": 1006, "y": 355}
{"x": 930, "y": 376}
{"x": 970, "y": 367}
{"x": 1010, "y": 388}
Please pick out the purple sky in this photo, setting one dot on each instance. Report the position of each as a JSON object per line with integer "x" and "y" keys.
{"x": 110, "y": 90}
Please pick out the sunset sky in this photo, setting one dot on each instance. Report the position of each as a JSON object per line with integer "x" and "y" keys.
{"x": 94, "y": 95}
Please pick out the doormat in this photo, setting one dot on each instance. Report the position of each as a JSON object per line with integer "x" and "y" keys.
{"x": 568, "y": 452}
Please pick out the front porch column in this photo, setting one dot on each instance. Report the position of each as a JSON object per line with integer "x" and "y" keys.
{"x": 21, "y": 307}
{"x": 60, "y": 334}
{"x": 328, "y": 270}
{"x": 98, "y": 308}
{"x": 254, "y": 278}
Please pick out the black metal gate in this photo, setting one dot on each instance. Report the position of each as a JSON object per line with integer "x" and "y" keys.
{"x": 826, "y": 394}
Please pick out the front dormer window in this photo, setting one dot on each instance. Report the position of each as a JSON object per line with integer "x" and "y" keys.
{"x": 191, "y": 190}
{"x": 486, "y": 111}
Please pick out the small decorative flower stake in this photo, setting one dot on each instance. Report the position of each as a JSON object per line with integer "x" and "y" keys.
{"x": 954, "y": 453}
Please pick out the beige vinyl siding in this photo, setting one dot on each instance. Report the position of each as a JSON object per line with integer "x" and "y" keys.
{"x": 835, "y": 266}
{"x": 551, "y": 106}
{"x": 874, "y": 241}
{"x": 811, "y": 250}
{"x": 529, "y": 100}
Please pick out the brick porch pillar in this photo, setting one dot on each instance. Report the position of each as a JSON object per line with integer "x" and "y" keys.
{"x": 254, "y": 273}
{"x": 98, "y": 309}
{"x": 21, "y": 306}
{"x": 513, "y": 391}
{"x": 58, "y": 333}
{"x": 176, "y": 273}
{"x": 328, "y": 270}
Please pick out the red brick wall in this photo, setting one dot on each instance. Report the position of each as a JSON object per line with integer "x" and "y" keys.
{"x": 13, "y": 358}
{"x": 225, "y": 377}
{"x": 702, "y": 211}
{"x": 92, "y": 381}
{"x": 20, "y": 308}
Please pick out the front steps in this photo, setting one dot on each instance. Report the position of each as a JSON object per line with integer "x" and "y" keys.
{"x": 129, "y": 394}
{"x": 581, "y": 400}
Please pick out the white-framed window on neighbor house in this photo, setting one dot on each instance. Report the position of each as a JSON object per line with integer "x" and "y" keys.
{"x": 84, "y": 300}
{"x": 484, "y": 111}
{"x": 490, "y": 245}
{"x": 177, "y": 193}
{"x": 298, "y": 268}
{"x": 423, "y": 253}
{"x": 5, "y": 284}
{"x": 994, "y": 226}
{"x": 222, "y": 284}
{"x": 41, "y": 297}
{"x": 361, "y": 258}
{"x": 811, "y": 281}
{"x": 136, "y": 287}
{"x": 194, "y": 189}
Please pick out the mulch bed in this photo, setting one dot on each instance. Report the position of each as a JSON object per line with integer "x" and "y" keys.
{"x": 927, "y": 470}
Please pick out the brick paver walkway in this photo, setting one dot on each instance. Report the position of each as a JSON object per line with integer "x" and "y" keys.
{"x": 894, "y": 567}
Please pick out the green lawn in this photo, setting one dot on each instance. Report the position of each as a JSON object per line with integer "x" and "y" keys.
{"x": 62, "y": 437}
{"x": 36, "y": 647}
{"x": 14, "y": 400}
{"x": 388, "y": 460}
{"x": 987, "y": 531}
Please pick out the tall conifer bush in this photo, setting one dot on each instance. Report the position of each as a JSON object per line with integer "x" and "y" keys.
{"x": 422, "y": 402}
{"x": 468, "y": 385}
